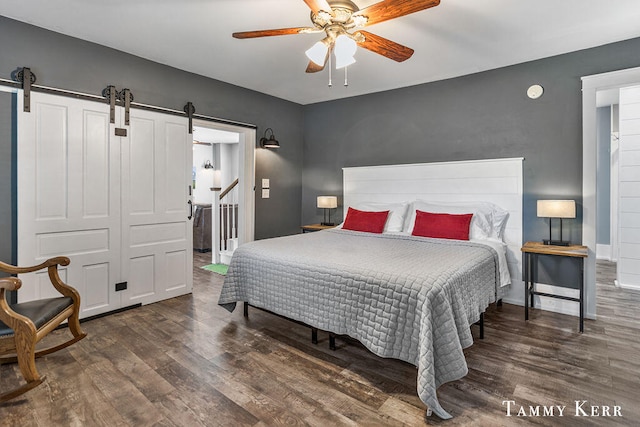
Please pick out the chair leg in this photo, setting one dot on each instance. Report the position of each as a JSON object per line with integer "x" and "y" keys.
{"x": 74, "y": 326}
{"x": 25, "y": 353}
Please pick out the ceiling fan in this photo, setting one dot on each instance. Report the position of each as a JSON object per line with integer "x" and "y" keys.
{"x": 341, "y": 20}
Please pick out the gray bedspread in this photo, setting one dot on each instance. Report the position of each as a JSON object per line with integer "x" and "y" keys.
{"x": 404, "y": 297}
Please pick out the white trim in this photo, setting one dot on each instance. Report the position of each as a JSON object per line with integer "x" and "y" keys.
{"x": 603, "y": 252}
{"x": 590, "y": 85}
{"x": 625, "y": 286}
{"x": 247, "y": 172}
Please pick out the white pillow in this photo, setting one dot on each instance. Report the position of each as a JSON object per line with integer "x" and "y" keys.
{"x": 500, "y": 217}
{"x": 397, "y": 212}
{"x": 481, "y": 227}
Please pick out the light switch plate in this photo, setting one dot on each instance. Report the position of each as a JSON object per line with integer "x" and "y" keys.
{"x": 265, "y": 193}
{"x": 265, "y": 182}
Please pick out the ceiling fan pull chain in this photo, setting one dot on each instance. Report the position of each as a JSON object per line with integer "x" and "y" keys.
{"x": 346, "y": 77}
{"x": 330, "y": 84}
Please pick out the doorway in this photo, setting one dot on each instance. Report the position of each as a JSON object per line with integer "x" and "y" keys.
{"x": 223, "y": 188}
{"x": 591, "y": 87}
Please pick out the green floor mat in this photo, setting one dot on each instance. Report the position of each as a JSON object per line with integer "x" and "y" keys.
{"x": 217, "y": 268}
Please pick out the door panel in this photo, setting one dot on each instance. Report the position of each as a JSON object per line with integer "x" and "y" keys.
{"x": 68, "y": 199}
{"x": 157, "y": 234}
{"x": 116, "y": 206}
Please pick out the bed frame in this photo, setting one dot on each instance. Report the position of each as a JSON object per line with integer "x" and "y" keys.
{"x": 497, "y": 180}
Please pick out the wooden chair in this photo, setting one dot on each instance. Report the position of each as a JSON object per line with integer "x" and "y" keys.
{"x": 23, "y": 325}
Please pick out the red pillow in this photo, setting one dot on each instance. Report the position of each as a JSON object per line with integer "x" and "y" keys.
{"x": 442, "y": 225}
{"x": 371, "y": 222}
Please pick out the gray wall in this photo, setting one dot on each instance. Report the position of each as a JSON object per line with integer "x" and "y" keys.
{"x": 68, "y": 63}
{"x": 484, "y": 115}
{"x": 7, "y": 180}
{"x": 603, "y": 175}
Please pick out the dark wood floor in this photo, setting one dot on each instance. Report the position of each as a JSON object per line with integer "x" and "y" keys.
{"x": 187, "y": 362}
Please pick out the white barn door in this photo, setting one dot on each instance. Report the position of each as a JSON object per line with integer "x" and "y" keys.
{"x": 157, "y": 233}
{"x": 69, "y": 198}
{"x": 116, "y": 206}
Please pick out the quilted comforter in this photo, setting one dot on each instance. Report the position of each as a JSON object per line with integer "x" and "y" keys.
{"x": 404, "y": 297}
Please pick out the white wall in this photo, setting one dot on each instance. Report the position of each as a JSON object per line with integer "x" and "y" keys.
{"x": 229, "y": 164}
{"x": 204, "y": 177}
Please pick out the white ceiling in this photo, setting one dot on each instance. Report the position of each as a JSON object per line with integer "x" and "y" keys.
{"x": 457, "y": 37}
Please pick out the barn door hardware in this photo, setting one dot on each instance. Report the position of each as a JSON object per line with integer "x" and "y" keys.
{"x": 27, "y": 78}
{"x": 190, "y": 110}
{"x": 111, "y": 94}
{"x": 126, "y": 97}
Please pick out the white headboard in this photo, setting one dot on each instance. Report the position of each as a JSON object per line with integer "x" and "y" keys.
{"x": 495, "y": 180}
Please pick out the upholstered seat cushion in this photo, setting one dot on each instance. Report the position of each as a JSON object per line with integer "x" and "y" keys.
{"x": 40, "y": 311}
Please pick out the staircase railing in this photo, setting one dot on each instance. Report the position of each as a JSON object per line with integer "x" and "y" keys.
{"x": 226, "y": 231}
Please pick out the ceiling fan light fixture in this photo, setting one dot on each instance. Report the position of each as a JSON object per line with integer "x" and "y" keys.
{"x": 345, "y": 49}
{"x": 318, "y": 52}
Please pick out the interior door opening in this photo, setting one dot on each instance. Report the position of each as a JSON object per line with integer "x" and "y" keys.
{"x": 223, "y": 180}
{"x": 593, "y": 87}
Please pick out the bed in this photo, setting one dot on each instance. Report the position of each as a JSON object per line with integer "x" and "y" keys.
{"x": 403, "y": 296}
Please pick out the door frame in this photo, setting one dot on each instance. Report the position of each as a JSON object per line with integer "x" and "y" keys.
{"x": 246, "y": 171}
{"x": 590, "y": 86}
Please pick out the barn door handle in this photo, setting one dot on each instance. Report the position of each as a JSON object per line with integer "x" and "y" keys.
{"x": 190, "y": 209}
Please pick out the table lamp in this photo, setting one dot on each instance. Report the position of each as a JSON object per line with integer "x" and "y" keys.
{"x": 556, "y": 209}
{"x": 327, "y": 203}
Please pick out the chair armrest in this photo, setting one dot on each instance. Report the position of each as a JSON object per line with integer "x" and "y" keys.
{"x": 10, "y": 283}
{"x": 10, "y": 318}
{"x": 51, "y": 262}
{"x": 52, "y": 266}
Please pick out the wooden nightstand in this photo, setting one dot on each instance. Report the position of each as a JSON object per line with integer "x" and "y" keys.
{"x": 315, "y": 227}
{"x": 531, "y": 251}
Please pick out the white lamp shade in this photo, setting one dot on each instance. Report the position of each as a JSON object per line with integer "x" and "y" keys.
{"x": 327, "y": 202}
{"x": 345, "y": 49}
{"x": 318, "y": 53}
{"x": 557, "y": 208}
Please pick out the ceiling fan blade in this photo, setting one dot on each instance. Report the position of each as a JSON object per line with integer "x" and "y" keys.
{"x": 390, "y": 9}
{"x": 269, "y": 33}
{"x": 385, "y": 47}
{"x": 314, "y": 68}
{"x": 318, "y": 5}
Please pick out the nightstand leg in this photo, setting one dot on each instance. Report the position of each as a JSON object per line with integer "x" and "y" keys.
{"x": 527, "y": 261}
{"x": 532, "y": 263}
{"x": 582, "y": 296}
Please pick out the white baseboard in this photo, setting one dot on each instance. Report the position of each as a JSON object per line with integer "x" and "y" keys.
{"x": 627, "y": 286}
{"x": 225, "y": 257}
{"x": 603, "y": 252}
{"x": 572, "y": 308}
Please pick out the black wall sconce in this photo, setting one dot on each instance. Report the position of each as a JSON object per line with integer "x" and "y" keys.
{"x": 269, "y": 143}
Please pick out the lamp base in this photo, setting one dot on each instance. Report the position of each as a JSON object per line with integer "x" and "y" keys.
{"x": 556, "y": 242}
{"x": 327, "y": 223}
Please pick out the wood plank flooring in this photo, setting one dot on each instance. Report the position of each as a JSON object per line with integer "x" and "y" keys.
{"x": 188, "y": 362}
